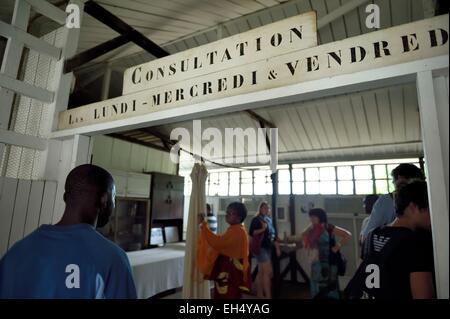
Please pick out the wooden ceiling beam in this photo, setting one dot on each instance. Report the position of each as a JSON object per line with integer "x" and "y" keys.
{"x": 137, "y": 141}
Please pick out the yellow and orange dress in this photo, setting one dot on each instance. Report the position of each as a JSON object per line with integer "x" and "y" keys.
{"x": 224, "y": 259}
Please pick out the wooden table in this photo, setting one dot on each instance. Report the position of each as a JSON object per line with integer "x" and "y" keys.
{"x": 290, "y": 251}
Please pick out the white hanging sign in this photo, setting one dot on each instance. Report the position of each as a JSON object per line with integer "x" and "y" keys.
{"x": 404, "y": 43}
{"x": 288, "y": 35}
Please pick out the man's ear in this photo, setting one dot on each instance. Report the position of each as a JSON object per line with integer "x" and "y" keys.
{"x": 412, "y": 207}
{"x": 104, "y": 200}
{"x": 65, "y": 197}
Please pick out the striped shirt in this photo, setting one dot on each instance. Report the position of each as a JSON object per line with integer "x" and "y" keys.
{"x": 212, "y": 223}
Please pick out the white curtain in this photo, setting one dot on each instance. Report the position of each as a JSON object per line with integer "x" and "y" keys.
{"x": 194, "y": 287}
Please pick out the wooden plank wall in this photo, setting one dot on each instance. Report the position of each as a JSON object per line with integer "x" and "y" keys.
{"x": 24, "y": 205}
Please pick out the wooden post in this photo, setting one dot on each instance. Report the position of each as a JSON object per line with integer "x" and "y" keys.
{"x": 275, "y": 259}
{"x": 292, "y": 257}
{"x": 437, "y": 190}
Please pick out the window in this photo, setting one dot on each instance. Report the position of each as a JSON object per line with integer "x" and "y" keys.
{"x": 284, "y": 182}
{"x": 363, "y": 179}
{"x": 234, "y": 184}
{"x": 327, "y": 180}
{"x": 344, "y": 178}
{"x": 187, "y": 186}
{"x": 262, "y": 182}
{"x": 381, "y": 179}
{"x": 223, "y": 184}
{"x": 312, "y": 180}
{"x": 213, "y": 184}
{"x": 298, "y": 181}
{"x": 247, "y": 183}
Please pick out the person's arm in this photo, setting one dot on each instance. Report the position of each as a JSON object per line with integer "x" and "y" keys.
{"x": 217, "y": 242}
{"x": 421, "y": 285}
{"x": 305, "y": 232}
{"x": 260, "y": 230}
{"x": 257, "y": 226}
{"x": 418, "y": 256}
{"x": 345, "y": 236}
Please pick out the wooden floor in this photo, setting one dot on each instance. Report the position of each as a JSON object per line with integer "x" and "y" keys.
{"x": 294, "y": 291}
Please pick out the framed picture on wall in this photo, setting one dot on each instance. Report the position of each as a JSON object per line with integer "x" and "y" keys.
{"x": 281, "y": 214}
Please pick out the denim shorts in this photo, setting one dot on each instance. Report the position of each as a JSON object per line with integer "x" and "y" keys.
{"x": 264, "y": 255}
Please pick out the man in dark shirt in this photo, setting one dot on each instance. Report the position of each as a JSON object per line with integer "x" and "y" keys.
{"x": 398, "y": 258}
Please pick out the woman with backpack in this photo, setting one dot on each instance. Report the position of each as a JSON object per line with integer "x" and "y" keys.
{"x": 320, "y": 240}
{"x": 263, "y": 240}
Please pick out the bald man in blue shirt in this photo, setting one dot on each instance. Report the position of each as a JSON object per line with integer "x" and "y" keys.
{"x": 71, "y": 259}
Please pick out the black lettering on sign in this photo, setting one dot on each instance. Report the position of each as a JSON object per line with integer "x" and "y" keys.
{"x": 134, "y": 77}
{"x": 172, "y": 69}
{"x": 179, "y": 95}
{"x": 114, "y": 107}
{"x": 184, "y": 65}
{"x": 253, "y": 77}
{"x": 381, "y": 45}
{"x": 123, "y": 108}
{"x": 297, "y": 32}
{"x": 160, "y": 72}
{"x": 336, "y": 57}
{"x": 222, "y": 84}
{"x": 196, "y": 64}
{"x": 156, "y": 99}
{"x": 357, "y": 56}
{"x": 434, "y": 40}
{"x": 241, "y": 46}
{"x": 210, "y": 55}
{"x": 258, "y": 44}
{"x": 276, "y": 39}
{"x": 238, "y": 80}
{"x": 312, "y": 63}
{"x": 149, "y": 75}
{"x": 226, "y": 56}
{"x": 192, "y": 92}
{"x": 167, "y": 97}
{"x": 410, "y": 43}
{"x": 292, "y": 68}
{"x": 207, "y": 88}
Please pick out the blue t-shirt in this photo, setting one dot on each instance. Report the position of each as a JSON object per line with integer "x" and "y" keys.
{"x": 383, "y": 213}
{"x": 66, "y": 262}
{"x": 269, "y": 222}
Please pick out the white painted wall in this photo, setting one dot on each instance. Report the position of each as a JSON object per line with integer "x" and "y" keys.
{"x": 111, "y": 153}
{"x": 24, "y": 205}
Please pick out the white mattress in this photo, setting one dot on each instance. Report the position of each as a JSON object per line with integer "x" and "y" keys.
{"x": 158, "y": 269}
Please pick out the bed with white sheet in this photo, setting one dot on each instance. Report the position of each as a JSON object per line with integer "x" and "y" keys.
{"x": 157, "y": 270}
